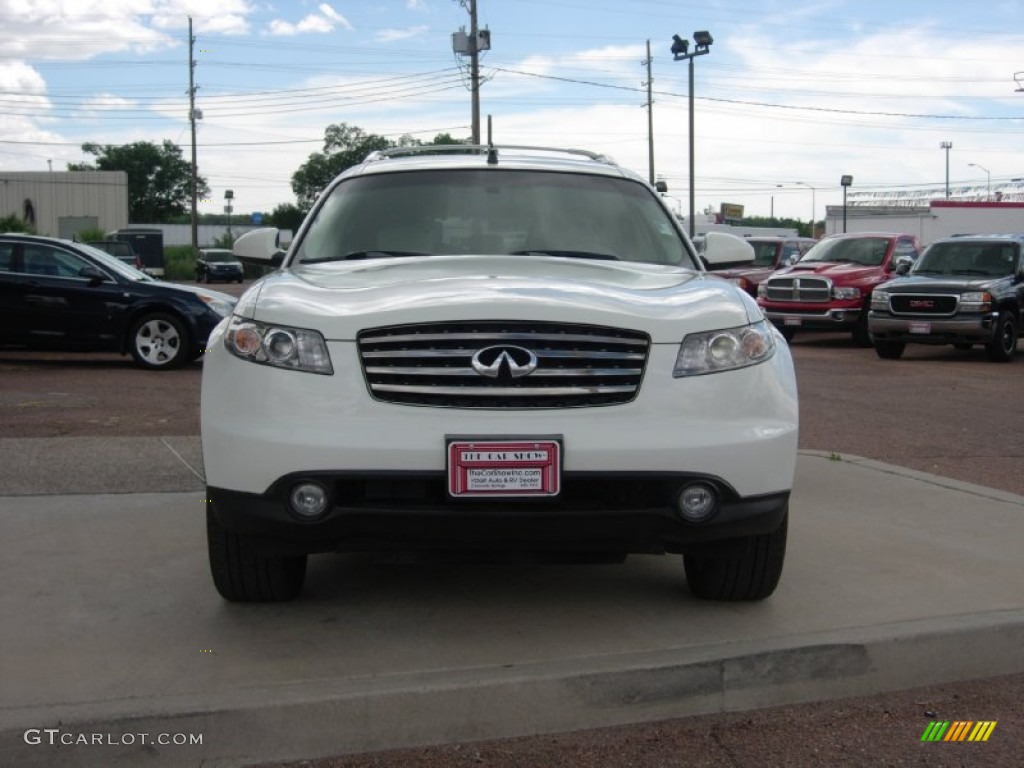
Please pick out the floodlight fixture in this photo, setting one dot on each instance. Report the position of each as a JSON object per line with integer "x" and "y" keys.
{"x": 679, "y": 46}
{"x": 703, "y": 39}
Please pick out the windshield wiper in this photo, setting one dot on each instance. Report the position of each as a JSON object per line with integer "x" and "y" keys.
{"x": 970, "y": 272}
{"x": 566, "y": 254}
{"x": 357, "y": 255}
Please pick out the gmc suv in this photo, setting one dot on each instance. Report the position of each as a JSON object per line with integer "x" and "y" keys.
{"x": 962, "y": 291}
{"x": 830, "y": 288}
{"x": 488, "y": 348}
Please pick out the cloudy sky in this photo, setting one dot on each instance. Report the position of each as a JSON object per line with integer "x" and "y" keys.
{"x": 793, "y": 95}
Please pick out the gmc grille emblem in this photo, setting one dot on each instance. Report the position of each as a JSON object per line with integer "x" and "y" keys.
{"x": 921, "y": 303}
{"x": 493, "y": 361}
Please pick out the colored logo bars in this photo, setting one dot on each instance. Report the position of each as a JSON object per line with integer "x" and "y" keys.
{"x": 959, "y": 730}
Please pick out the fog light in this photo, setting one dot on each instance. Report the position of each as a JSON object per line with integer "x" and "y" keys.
{"x": 308, "y": 500}
{"x": 697, "y": 502}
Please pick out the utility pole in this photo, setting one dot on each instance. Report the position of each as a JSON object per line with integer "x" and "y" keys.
{"x": 470, "y": 45}
{"x": 474, "y": 70}
{"x": 192, "y": 121}
{"x": 650, "y": 117}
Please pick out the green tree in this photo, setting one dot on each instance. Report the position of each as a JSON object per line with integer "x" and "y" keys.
{"x": 159, "y": 178}
{"x": 344, "y": 146}
{"x": 14, "y": 223}
{"x": 285, "y": 216}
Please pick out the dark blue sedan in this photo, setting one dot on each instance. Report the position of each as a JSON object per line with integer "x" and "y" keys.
{"x": 60, "y": 295}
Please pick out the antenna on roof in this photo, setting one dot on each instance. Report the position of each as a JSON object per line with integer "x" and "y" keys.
{"x": 492, "y": 153}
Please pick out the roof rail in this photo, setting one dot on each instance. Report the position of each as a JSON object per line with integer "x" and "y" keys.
{"x": 480, "y": 149}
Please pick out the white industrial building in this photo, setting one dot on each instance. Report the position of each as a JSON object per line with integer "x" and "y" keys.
{"x": 933, "y": 213}
{"x": 62, "y": 203}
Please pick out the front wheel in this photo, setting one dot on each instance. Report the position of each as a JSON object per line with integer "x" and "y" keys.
{"x": 159, "y": 340}
{"x": 861, "y": 335}
{"x": 1003, "y": 347}
{"x": 242, "y": 576}
{"x": 889, "y": 350}
{"x": 751, "y": 571}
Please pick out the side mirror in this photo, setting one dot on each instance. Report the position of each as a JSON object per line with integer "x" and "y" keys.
{"x": 723, "y": 248}
{"x": 661, "y": 186}
{"x": 94, "y": 275}
{"x": 903, "y": 265}
{"x": 261, "y": 247}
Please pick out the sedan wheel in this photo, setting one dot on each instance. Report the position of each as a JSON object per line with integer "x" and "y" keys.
{"x": 159, "y": 341}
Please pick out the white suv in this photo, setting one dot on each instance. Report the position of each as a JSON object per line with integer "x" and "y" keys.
{"x": 496, "y": 348}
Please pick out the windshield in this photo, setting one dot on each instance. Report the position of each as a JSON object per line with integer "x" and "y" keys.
{"x": 764, "y": 253}
{"x": 219, "y": 256}
{"x": 965, "y": 257}
{"x": 869, "y": 251}
{"x": 113, "y": 264}
{"x": 493, "y": 211}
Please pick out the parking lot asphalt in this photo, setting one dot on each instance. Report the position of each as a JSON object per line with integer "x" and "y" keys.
{"x": 894, "y": 578}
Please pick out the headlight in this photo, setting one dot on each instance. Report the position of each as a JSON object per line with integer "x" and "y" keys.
{"x": 976, "y": 301}
{"x": 278, "y": 345}
{"x": 841, "y": 292}
{"x": 762, "y": 290}
{"x": 724, "y": 350}
{"x": 221, "y": 307}
{"x": 880, "y": 300}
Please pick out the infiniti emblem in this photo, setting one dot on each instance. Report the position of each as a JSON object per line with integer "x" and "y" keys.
{"x": 517, "y": 361}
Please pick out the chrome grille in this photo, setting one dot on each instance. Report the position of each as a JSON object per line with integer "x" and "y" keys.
{"x": 433, "y": 364}
{"x": 923, "y": 304}
{"x": 798, "y": 288}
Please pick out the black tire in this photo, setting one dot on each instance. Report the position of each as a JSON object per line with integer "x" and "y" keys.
{"x": 159, "y": 340}
{"x": 861, "y": 335}
{"x": 1003, "y": 347}
{"x": 750, "y": 572}
{"x": 889, "y": 350}
{"x": 242, "y": 576}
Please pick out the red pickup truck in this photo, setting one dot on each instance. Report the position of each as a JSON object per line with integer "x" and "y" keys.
{"x": 829, "y": 289}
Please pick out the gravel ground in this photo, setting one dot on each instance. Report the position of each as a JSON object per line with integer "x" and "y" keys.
{"x": 867, "y": 731}
{"x": 937, "y": 410}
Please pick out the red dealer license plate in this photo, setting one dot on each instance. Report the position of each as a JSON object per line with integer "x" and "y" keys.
{"x": 511, "y": 468}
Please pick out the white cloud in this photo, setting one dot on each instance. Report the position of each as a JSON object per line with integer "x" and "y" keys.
{"x": 324, "y": 20}
{"x": 393, "y": 35}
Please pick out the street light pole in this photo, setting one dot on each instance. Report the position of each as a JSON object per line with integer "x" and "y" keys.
{"x": 947, "y": 145}
{"x": 988, "y": 186}
{"x": 845, "y": 181}
{"x": 680, "y": 50}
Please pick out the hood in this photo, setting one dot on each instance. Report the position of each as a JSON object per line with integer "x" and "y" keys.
{"x": 941, "y": 284}
{"x": 743, "y": 272}
{"x": 342, "y": 298}
{"x": 220, "y": 296}
{"x": 840, "y": 272}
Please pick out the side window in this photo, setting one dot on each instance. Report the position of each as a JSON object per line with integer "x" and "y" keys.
{"x": 6, "y": 257}
{"x": 905, "y": 247}
{"x": 51, "y": 262}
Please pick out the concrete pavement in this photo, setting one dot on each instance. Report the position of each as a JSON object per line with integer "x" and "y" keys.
{"x": 112, "y": 628}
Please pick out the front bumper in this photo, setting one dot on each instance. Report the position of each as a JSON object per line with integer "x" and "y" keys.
{"x": 410, "y": 511}
{"x": 384, "y": 464}
{"x": 814, "y": 320}
{"x": 968, "y": 329}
